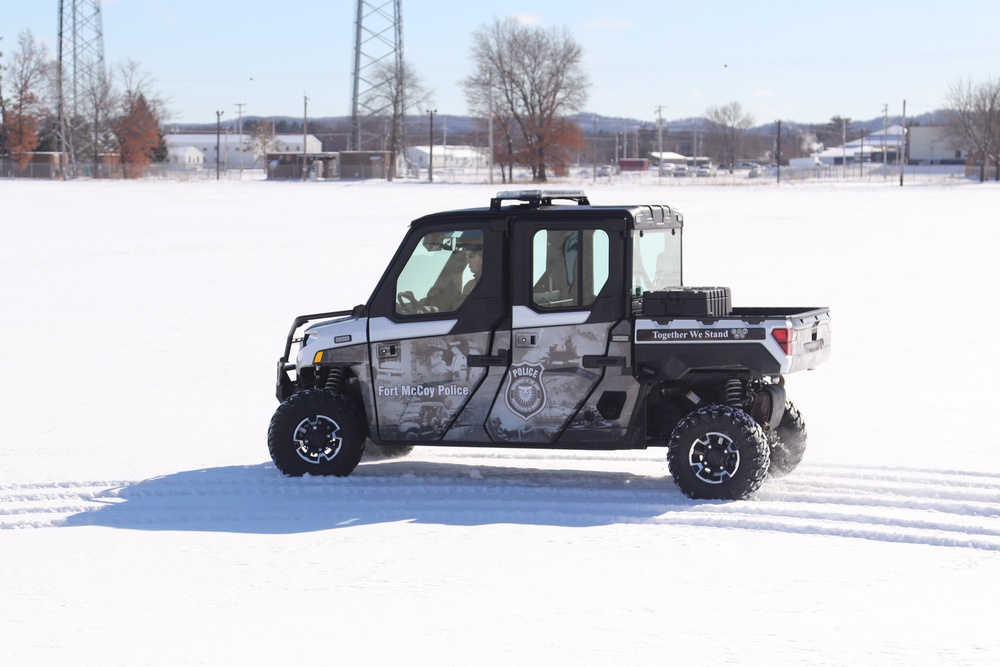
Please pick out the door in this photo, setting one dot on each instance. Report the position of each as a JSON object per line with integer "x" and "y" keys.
{"x": 567, "y": 296}
{"x": 432, "y": 330}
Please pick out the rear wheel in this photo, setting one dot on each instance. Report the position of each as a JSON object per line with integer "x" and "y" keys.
{"x": 788, "y": 442}
{"x": 718, "y": 453}
{"x": 316, "y": 431}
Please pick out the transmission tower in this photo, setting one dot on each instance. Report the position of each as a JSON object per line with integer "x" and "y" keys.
{"x": 378, "y": 43}
{"x": 84, "y": 89}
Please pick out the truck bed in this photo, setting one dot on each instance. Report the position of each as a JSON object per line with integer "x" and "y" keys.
{"x": 764, "y": 340}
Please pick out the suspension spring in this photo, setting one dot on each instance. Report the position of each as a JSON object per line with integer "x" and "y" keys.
{"x": 734, "y": 393}
{"x": 336, "y": 379}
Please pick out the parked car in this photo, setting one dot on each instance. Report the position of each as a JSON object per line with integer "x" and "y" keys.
{"x": 682, "y": 170}
{"x": 704, "y": 170}
{"x": 667, "y": 169}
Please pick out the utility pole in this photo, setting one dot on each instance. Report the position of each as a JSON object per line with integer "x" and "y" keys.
{"x": 843, "y": 145}
{"x": 239, "y": 126}
{"x": 902, "y": 140}
{"x": 777, "y": 151}
{"x": 80, "y": 71}
{"x": 218, "y": 132}
{"x": 430, "y": 159}
{"x": 885, "y": 141}
{"x": 659, "y": 139}
{"x": 595, "y": 148}
{"x": 378, "y": 41}
{"x": 305, "y": 117}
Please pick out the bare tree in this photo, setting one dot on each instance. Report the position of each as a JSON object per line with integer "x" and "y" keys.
{"x": 99, "y": 105}
{"x": 262, "y": 139}
{"x": 396, "y": 90}
{"x": 731, "y": 125}
{"x": 134, "y": 82}
{"x": 24, "y": 109}
{"x": 3, "y": 113}
{"x": 973, "y": 119}
{"x": 528, "y": 78}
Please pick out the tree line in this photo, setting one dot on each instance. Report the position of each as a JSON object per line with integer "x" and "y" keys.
{"x": 526, "y": 90}
{"x": 117, "y": 114}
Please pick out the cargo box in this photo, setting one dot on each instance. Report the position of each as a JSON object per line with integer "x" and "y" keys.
{"x": 688, "y": 302}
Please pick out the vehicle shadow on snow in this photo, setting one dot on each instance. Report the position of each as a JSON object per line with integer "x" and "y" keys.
{"x": 904, "y": 505}
{"x": 259, "y": 499}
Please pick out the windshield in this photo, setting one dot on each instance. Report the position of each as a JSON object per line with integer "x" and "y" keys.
{"x": 656, "y": 260}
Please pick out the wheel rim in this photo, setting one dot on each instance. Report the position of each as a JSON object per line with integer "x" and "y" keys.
{"x": 316, "y": 439}
{"x": 714, "y": 458}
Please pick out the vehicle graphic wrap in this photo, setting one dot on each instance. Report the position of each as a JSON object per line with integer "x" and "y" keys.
{"x": 421, "y": 384}
{"x": 525, "y": 393}
{"x": 547, "y": 382}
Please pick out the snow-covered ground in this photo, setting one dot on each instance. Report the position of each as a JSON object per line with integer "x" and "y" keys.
{"x": 140, "y": 327}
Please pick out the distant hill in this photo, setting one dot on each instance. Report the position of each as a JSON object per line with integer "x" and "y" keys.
{"x": 605, "y": 124}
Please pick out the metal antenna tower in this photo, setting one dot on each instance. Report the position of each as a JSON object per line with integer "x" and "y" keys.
{"x": 378, "y": 43}
{"x": 84, "y": 89}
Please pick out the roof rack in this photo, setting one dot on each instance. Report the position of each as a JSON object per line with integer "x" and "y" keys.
{"x": 536, "y": 198}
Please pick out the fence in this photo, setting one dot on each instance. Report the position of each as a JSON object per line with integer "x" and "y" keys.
{"x": 118, "y": 171}
{"x": 577, "y": 175}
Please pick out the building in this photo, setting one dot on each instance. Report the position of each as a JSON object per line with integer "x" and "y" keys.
{"x": 931, "y": 145}
{"x": 884, "y": 145}
{"x": 448, "y": 157}
{"x": 185, "y": 156}
{"x": 667, "y": 157}
{"x": 235, "y": 150}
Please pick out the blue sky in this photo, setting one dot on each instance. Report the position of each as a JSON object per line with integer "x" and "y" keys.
{"x": 781, "y": 60}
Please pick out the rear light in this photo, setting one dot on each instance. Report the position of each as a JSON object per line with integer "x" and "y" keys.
{"x": 784, "y": 339}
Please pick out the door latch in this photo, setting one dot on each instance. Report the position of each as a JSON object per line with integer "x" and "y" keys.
{"x": 388, "y": 351}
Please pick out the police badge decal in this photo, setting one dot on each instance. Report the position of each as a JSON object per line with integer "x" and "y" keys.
{"x": 525, "y": 395}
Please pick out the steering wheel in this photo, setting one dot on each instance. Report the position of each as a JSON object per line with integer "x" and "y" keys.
{"x": 409, "y": 304}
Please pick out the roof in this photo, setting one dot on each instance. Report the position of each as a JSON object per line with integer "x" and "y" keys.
{"x": 667, "y": 155}
{"x": 200, "y": 138}
{"x": 542, "y": 202}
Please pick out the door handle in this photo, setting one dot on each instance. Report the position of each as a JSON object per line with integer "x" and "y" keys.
{"x": 596, "y": 361}
{"x": 480, "y": 360}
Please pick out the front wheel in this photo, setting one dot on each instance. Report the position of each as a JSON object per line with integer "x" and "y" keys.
{"x": 718, "y": 453}
{"x": 316, "y": 431}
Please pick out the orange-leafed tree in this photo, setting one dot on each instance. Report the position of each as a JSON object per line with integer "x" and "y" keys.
{"x": 565, "y": 142}
{"x": 138, "y": 133}
{"x": 21, "y": 138}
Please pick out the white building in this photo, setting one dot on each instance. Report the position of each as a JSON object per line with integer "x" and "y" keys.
{"x": 924, "y": 145}
{"x": 185, "y": 156}
{"x": 867, "y": 148}
{"x": 667, "y": 157}
{"x": 234, "y": 150}
{"x": 931, "y": 145}
{"x": 448, "y": 157}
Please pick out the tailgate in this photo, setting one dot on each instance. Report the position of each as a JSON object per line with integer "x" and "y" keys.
{"x": 806, "y": 339}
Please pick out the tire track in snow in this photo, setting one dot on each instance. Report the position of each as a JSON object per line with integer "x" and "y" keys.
{"x": 950, "y": 508}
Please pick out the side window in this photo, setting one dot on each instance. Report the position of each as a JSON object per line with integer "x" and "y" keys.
{"x": 440, "y": 273}
{"x": 656, "y": 260}
{"x": 569, "y": 267}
